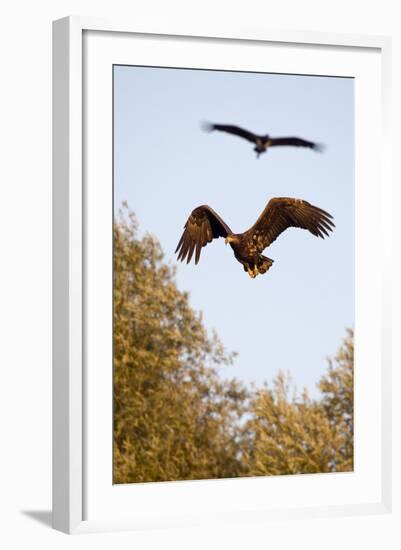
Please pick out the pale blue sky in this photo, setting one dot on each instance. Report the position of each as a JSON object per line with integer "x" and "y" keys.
{"x": 294, "y": 316}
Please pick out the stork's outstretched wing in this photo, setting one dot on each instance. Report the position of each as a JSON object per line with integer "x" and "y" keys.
{"x": 296, "y": 142}
{"x": 202, "y": 226}
{"x": 230, "y": 129}
{"x": 282, "y": 213}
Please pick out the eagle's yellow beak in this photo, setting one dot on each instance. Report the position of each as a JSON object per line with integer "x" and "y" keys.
{"x": 227, "y": 240}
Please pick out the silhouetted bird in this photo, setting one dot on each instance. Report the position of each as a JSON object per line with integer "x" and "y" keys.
{"x": 262, "y": 143}
{"x": 204, "y": 225}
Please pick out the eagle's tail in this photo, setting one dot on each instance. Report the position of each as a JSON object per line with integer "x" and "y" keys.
{"x": 264, "y": 264}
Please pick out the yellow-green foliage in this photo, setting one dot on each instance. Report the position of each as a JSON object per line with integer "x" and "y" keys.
{"x": 337, "y": 387}
{"x": 289, "y": 434}
{"x": 176, "y": 418}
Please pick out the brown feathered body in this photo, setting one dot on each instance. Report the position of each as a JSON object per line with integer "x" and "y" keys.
{"x": 204, "y": 225}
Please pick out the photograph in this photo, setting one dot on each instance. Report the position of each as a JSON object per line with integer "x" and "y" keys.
{"x": 233, "y": 274}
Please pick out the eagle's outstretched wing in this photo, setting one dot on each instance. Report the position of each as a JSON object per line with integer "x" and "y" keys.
{"x": 230, "y": 129}
{"x": 296, "y": 142}
{"x": 202, "y": 226}
{"x": 282, "y": 213}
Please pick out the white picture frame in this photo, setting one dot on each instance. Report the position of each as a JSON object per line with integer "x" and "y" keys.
{"x": 75, "y": 479}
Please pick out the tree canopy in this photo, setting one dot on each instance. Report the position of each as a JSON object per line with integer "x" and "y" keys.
{"x": 293, "y": 434}
{"x": 176, "y": 418}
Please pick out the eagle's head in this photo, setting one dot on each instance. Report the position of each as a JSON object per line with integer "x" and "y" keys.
{"x": 232, "y": 239}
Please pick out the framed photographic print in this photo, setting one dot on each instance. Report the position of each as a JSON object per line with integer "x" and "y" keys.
{"x": 198, "y": 382}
